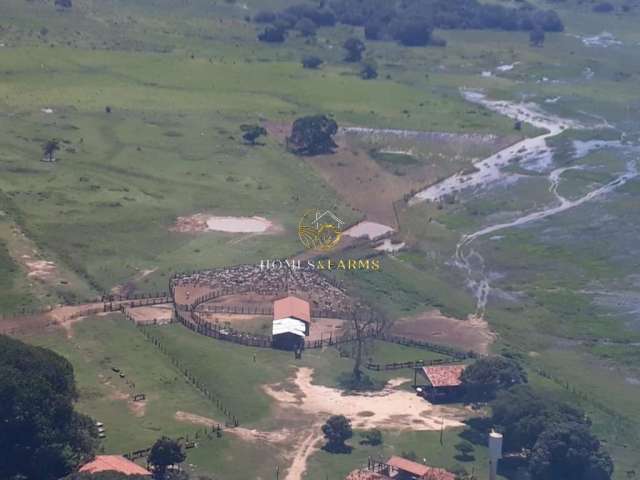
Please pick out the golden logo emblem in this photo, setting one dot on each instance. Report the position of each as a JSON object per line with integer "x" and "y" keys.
{"x": 320, "y": 230}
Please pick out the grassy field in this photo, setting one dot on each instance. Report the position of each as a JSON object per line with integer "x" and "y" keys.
{"x": 180, "y": 81}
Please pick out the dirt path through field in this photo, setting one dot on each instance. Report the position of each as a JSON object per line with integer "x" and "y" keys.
{"x": 303, "y": 452}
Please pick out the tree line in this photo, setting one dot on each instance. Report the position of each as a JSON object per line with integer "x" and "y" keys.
{"x": 410, "y": 22}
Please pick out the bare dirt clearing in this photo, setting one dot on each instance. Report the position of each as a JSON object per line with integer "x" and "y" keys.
{"x": 392, "y": 408}
{"x": 158, "y": 314}
{"x": 201, "y": 222}
{"x": 432, "y": 326}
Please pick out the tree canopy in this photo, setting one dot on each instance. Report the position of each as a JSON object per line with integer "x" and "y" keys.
{"x": 42, "y": 437}
{"x": 312, "y": 135}
{"x": 354, "y": 47}
{"x": 569, "y": 451}
{"x": 487, "y": 375}
{"x": 311, "y": 62}
{"x": 165, "y": 452}
{"x": 337, "y": 430}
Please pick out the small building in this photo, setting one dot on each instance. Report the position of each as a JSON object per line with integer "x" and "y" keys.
{"x": 291, "y": 322}
{"x": 443, "y": 382}
{"x": 114, "y": 463}
{"x": 399, "y": 468}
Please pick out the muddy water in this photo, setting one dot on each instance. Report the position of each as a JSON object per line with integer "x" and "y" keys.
{"x": 532, "y": 152}
{"x": 489, "y": 171}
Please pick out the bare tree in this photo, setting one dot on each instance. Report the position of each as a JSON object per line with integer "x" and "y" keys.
{"x": 366, "y": 326}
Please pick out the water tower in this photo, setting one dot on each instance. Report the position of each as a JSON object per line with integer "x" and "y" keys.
{"x": 495, "y": 453}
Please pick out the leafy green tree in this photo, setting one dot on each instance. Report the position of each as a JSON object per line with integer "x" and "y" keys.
{"x": 41, "y": 436}
{"x": 536, "y": 37}
{"x": 354, "y": 47}
{"x": 569, "y": 451}
{"x": 311, "y": 62}
{"x": 312, "y": 135}
{"x": 369, "y": 69}
{"x": 273, "y": 34}
{"x": 337, "y": 430}
{"x": 164, "y": 453}
{"x": 252, "y": 133}
{"x": 487, "y": 375}
{"x": 49, "y": 149}
{"x": 306, "y": 27}
{"x": 522, "y": 414}
{"x": 412, "y": 32}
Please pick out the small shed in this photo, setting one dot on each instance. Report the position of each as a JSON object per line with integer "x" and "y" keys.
{"x": 114, "y": 463}
{"x": 291, "y": 322}
{"x": 403, "y": 469}
{"x": 443, "y": 382}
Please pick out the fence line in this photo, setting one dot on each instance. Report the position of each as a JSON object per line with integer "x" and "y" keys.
{"x": 188, "y": 375}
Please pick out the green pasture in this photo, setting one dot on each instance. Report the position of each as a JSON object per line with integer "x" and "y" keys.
{"x": 427, "y": 446}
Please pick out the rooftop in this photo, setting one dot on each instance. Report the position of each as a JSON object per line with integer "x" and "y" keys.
{"x": 116, "y": 463}
{"x": 444, "y": 375}
{"x": 292, "y": 307}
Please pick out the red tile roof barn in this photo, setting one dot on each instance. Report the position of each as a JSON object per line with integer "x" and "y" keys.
{"x": 116, "y": 463}
{"x": 291, "y": 307}
{"x": 419, "y": 470}
{"x": 444, "y": 375}
{"x": 414, "y": 468}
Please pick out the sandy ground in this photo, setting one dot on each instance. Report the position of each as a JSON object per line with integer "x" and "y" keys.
{"x": 161, "y": 313}
{"x": 371, "y": 230}
{"x": 201, "y": 222}
{"x": 391, "y": 408}
{"x": 432, "y": 326}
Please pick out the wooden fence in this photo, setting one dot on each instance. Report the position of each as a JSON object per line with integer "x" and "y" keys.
{"x": 398, "y": 366}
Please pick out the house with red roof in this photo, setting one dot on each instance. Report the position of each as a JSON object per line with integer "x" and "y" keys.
{"x": 442, "y": 383}
{"x": 291, "y": 322}
{"x": 399, "y": 468}
{"x": 114, "y": 463}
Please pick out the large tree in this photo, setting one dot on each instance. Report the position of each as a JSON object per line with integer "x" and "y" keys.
{"x": 487, "y": 375}
{"x": 337, "y": 430}
{"x": 354, "y": 47}
{"x": 569, "y": 451}
{"x": 164, "y": 453}
{"x": 49, "y": 150}
{"x": 312, "y": 135}
{"x": 522, "y": 414}
{"x": 41, "y": 436}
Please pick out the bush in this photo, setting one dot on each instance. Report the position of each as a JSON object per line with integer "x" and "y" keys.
{"x": 311, "y": 62}
{"x": 306, "y": 27}
{"x": 272, "y": 34}
{"x": 603, "y": 7}
{"x": 437, "y": 41}
{"x": 372, "y": 437}
{"x": 412, "y": 32}
{"x": 369, "y": 69}
{"x": 354, "y": 48}
{"x": 373, "y": 30}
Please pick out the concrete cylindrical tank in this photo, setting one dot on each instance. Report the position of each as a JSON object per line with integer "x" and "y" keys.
{"x": 495, "y": 453}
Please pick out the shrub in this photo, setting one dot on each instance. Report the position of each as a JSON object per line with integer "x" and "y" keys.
{"x": 272, "y": 34}
{"x": 311, "y": 61}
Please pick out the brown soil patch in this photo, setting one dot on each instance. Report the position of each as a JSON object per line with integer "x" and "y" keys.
{"x": 159, "y": 314}
{"x": 202, "y": 222}
{"x": 393, "y": 408}
{"x": 431, "y": 326}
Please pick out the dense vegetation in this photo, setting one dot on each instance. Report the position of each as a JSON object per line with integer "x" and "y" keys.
{"x": 42, "y": 437}
{"x": 410, "y": 22}
{"x": 556, "y": 436}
